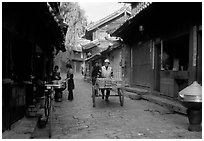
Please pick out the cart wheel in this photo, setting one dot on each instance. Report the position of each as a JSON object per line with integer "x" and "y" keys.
{"x": 121, "y": 96}
{"x": 93, "y": 96}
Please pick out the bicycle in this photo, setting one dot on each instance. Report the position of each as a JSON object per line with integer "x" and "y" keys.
{"x": 49, "y": 92}
{"x": 48, "y": 108}
{"x": 49, "y": 95}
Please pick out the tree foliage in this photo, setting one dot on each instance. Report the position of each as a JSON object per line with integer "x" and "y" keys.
{"x": 75, "y": 18}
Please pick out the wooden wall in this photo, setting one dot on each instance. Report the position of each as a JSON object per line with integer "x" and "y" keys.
{"x": 141, "y": 65}
{"x": 115, "y": 59}
{"x": 126, "y": 64}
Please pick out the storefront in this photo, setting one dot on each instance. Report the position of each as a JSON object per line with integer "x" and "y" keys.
{"x": 28, "y": 48}
{"x": 174, "y": 65}
{"x": 165, "y": 47}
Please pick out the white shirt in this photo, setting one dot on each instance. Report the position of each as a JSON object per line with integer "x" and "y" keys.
{"x": 106, "y": 72}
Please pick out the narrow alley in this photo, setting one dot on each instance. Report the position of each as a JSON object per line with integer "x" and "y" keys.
{"x": 77, "y": 119}
{"x": 58, "y": 58}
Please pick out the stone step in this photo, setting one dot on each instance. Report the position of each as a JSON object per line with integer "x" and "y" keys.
{"x": 136, "y": 90}
{"x": 170, "y": 104}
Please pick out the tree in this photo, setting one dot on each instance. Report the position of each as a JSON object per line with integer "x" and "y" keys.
{"x": 76, "y": 21}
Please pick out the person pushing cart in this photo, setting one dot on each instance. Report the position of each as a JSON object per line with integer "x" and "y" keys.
{"x": 106, "y": 72}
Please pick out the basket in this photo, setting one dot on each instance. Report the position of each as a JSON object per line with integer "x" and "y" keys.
{"x": 31, "y": 111}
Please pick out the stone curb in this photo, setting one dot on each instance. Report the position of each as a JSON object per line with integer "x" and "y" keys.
{"x": 169, "y": 104}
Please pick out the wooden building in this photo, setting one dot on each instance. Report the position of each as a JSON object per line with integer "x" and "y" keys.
{"x": 165, "y": 46}
{"x": 32, "y": 33}
{"x": 77, "y": 56}
{"x": 77, "y": 60}
{"x": 114, "y": 54}
{"x": 102, "y": 28}
{"x": 98, "y": 33}
{"x": 92, "y": 51}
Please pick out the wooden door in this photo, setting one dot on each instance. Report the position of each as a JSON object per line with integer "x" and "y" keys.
{"x": 141, "y": 65}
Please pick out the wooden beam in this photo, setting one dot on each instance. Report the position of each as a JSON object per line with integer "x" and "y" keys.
{"x": 192, "y": 54}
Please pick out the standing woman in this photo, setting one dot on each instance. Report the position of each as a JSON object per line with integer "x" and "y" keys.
{"x": 71, "y": 85}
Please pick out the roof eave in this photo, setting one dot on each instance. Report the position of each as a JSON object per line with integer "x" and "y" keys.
{"x": 108, "y": 18}
{"x": 125, "y": 26}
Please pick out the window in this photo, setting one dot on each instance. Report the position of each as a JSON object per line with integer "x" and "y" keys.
{"x": 176, "y": 54}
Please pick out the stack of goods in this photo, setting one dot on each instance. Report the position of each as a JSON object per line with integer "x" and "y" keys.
{"x": 104, "y": 82}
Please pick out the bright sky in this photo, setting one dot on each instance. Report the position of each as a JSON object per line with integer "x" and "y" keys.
{"x": 95, "y": 11}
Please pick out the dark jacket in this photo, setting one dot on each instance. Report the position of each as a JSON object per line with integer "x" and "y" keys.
{"x": 96, "y": 71}
{"x": 71, "y": 85}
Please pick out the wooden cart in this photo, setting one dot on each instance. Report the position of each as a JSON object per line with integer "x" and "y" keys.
{"x": 106, "y": 83}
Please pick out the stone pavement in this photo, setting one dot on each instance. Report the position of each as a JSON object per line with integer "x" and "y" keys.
{"x": 22, "y": 129}
{"x": 172, "y": 105}
{"x": 140, "y": 119}
{"x": 78, "y": 119}
{"x": 138, "y": 93}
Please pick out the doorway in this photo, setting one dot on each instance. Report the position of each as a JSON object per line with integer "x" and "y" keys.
{"x": 174, "y": 68}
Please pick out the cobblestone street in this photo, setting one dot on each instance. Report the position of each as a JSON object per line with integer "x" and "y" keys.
{"x": 77, "y": 119}
{"x": 57, "y": 75}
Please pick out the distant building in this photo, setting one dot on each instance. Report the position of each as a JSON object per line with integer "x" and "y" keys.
{"x": 77, "y": 56}
{"x": 98, "y": 33}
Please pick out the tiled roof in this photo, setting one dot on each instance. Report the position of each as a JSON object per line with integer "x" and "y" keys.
{"x": 93, "y": 57}
{"x": 108, "y": 46}
{"x": 112, "y": 47}
{"x": 141, "y": 6}
{"x": 102, "y": 44}
{"x": 90, "y": 45}
{"x": 108, "y": 18}
{"x": 79, "y": 43}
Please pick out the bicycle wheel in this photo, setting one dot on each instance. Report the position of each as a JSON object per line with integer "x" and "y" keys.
{"x": 121, "y": 96}
{"x": 46, "y": 109}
